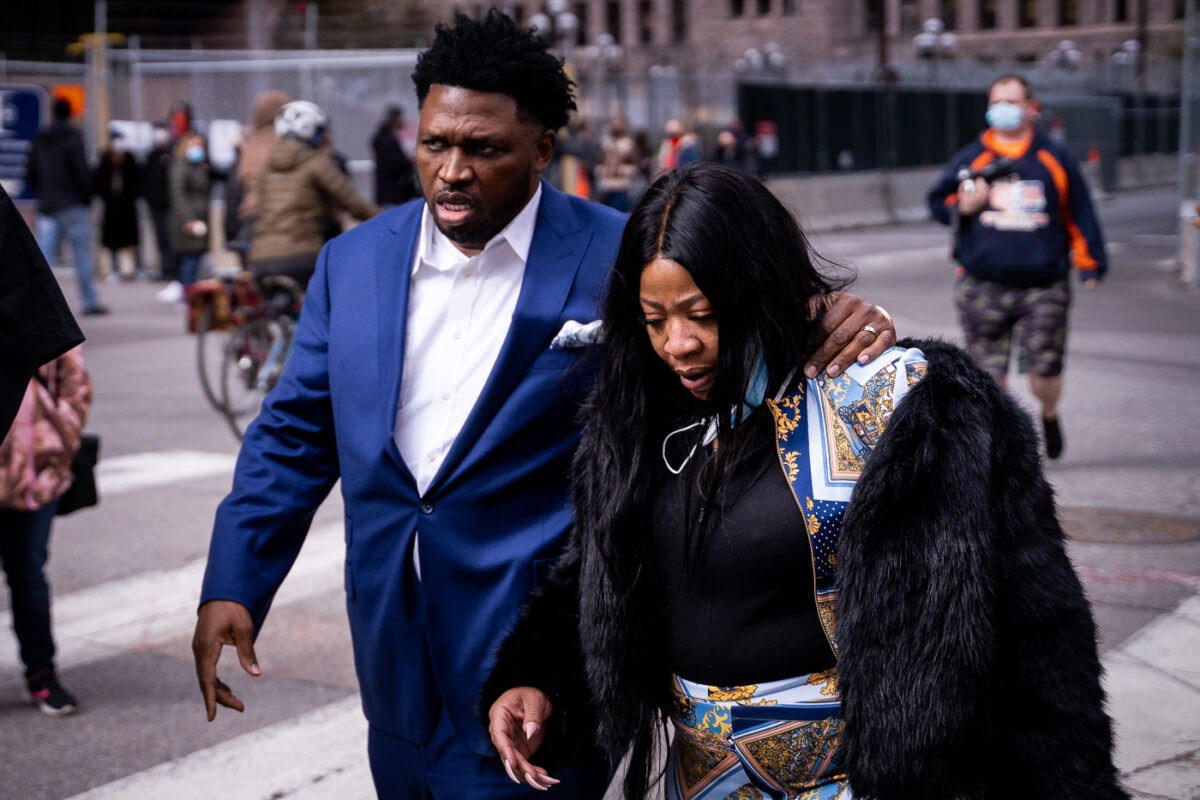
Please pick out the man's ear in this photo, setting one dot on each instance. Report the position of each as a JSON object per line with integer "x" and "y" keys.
{"x": 545, "y": 149}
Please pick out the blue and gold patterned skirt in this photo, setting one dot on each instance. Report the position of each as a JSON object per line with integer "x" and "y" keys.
{"x": 772, "y": 740}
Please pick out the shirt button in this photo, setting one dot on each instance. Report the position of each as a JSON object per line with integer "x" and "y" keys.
{"x": 445, "y": 395}
{"x": 458, "y": 334}
{"x": 426, "y": 508}
{"x": 466, "y": 273}
{"x": 431, "y": 457}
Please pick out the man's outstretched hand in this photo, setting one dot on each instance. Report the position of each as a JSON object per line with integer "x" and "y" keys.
{"x": 847, "y": 324}
{"x": 222, "y": 622}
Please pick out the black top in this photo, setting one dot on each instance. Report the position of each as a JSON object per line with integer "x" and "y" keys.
{"x": 57, "y": 169}
{"x": 36, "y": 325}
{"x": 743, "y": 612}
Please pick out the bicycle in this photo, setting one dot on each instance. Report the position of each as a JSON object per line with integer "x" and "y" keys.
{"x": 258, "y": 349}
{"x": 211, "y": 304}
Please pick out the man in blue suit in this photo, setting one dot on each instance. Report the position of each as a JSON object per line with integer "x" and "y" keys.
{"x": 424, "y": 377}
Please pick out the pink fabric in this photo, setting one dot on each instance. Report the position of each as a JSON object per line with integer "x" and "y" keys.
{"x": 35, "y": 457}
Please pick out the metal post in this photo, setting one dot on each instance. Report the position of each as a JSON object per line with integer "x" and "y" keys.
{"x": 137, "y": 106}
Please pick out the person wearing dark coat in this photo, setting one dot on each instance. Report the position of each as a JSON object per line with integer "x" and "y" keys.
{"x": 395, "y": 181}
{"x": 38, "y": 326}
{"x": 58, "y": 174}
{"x": 156, "y": 189}
{"x": 118, "y": 184}
{"x": 848, "y": 587}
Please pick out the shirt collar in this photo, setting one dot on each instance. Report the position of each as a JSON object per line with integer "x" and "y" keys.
{"x": 435, "y": 249}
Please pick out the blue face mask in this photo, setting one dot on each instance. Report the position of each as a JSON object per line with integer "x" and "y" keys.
{"x": 195, "y": 154}
{"x": 1005, "y": 116}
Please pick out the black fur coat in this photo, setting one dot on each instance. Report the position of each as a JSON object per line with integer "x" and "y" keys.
{"x": 968, "y": 661}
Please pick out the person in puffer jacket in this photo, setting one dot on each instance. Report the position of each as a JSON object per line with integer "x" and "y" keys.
{"x": 296, "y": 193}
{"x": 35, "y": 470}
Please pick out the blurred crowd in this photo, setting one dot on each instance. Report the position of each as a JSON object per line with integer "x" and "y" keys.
{"x": 605, "y": 161}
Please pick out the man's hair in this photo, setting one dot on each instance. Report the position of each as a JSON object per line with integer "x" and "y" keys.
{"x": 61, "y": 110}
{"x": 1013, "y": 78}
{"x": 494, "y": 55}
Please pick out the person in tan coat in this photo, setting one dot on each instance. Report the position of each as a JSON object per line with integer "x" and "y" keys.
{"x": 35, "y": 471}
{"x": 295, "y": 193}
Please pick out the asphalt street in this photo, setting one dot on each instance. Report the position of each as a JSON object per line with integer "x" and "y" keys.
{"x": 126, "y": 575}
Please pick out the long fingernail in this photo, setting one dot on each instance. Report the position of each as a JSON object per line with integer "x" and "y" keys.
{"x": 531, "y": 728}
{"x": 533, "y": 782}
{"x": 509, "y": 770}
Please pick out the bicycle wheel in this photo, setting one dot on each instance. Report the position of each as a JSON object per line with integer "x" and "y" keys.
{"x": 253, "y": 360}
{"x": 210, "y": 350}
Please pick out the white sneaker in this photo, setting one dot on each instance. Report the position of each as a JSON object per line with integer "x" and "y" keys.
{"x": 171, "y": 293}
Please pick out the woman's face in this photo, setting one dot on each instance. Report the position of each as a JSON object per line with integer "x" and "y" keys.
{"x": 681, "y": 324}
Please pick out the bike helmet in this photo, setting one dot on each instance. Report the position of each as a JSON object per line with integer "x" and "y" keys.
{"x": 301, "y": 120}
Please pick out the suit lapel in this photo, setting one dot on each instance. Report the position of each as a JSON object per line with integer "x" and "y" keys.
{"x": 395, "y": 249}
{"x": 559, "y": 242}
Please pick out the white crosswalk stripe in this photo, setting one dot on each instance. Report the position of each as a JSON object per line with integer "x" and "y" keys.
{"x": 154, "y": 607}
{"x": 320, "y": 755}
{"x": 141, "y": 470}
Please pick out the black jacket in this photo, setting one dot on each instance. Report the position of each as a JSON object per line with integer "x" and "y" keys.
{"x": 394, "y": 180}
{"x": 967, "y": 649}
{"x": 156, "y": 186}
{"x": 57, "y": 170}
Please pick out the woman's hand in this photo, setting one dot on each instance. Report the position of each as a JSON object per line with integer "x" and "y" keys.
{"x": 516, "y": 725}
{"x": 854, "y": 330}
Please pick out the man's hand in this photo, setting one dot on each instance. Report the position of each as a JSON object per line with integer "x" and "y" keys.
{"x": 1091, "y": 284}
{"x": 219, "y": 623}
{"x": 971, "y": 201}
{"x": 515, "y": 723}
{"x": 846, "y": 326}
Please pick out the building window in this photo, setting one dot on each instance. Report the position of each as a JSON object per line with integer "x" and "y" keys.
{"x": 737, "y": 8}
{"x": 909, "y": 16}
{"x": 1068, "y": 12}
{"x": 789, "y": 8}
{"x": 875, "y": 15}
{"x": 987, "y": 14}
{"x": 581, "y": 14}
{"x": 764, "y": 7}
{"x": 679, "y": 21}
{"x": 612, "y": 19}
{"x": 948, "y": 13}
{"x": 1121, "y": 11}
{"x": 1028, "y": 14}
{"x": 645, "y": 22}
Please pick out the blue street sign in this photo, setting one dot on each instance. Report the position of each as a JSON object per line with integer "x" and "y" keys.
{"x": 22, "y": 109}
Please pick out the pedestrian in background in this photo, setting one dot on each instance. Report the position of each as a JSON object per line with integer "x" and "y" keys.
{"x": 619, "y": 167}
{"x": 189, "y": 181}
{"x": 1018, "y": 234}
{"x": 57, "y": 173}
{"x": 35, "y": 470}
{"x": 157, "y": 193}
{"x": 299, "y": 190}
{"x": 118, "y": 183}
{"x": 395, "y": 180}
{"x": 678, "y": 147}
{"x": 241, "y": 191}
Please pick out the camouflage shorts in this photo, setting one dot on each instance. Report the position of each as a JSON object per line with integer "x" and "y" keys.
{"x": 990, "y": 312}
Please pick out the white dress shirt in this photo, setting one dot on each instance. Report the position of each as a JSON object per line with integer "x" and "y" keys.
{"x": 459, "y": 312}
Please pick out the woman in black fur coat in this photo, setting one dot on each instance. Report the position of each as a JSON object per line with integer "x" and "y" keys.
{"x": 923, "y": 639}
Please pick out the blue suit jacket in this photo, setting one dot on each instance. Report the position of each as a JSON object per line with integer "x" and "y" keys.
{"x": 496, "y": 513}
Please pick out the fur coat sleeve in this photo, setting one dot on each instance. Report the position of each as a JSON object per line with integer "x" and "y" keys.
{"x": 543, "y": 651}
{"x": 968, "y": 651}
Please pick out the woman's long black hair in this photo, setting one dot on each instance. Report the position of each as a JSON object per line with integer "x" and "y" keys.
{"x": 748, "y": 255}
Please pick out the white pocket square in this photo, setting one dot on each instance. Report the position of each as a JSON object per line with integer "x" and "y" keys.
{"x": 577, "y": 334}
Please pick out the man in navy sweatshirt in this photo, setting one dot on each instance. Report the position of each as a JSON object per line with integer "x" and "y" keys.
{"x": 1023, "y": 219}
